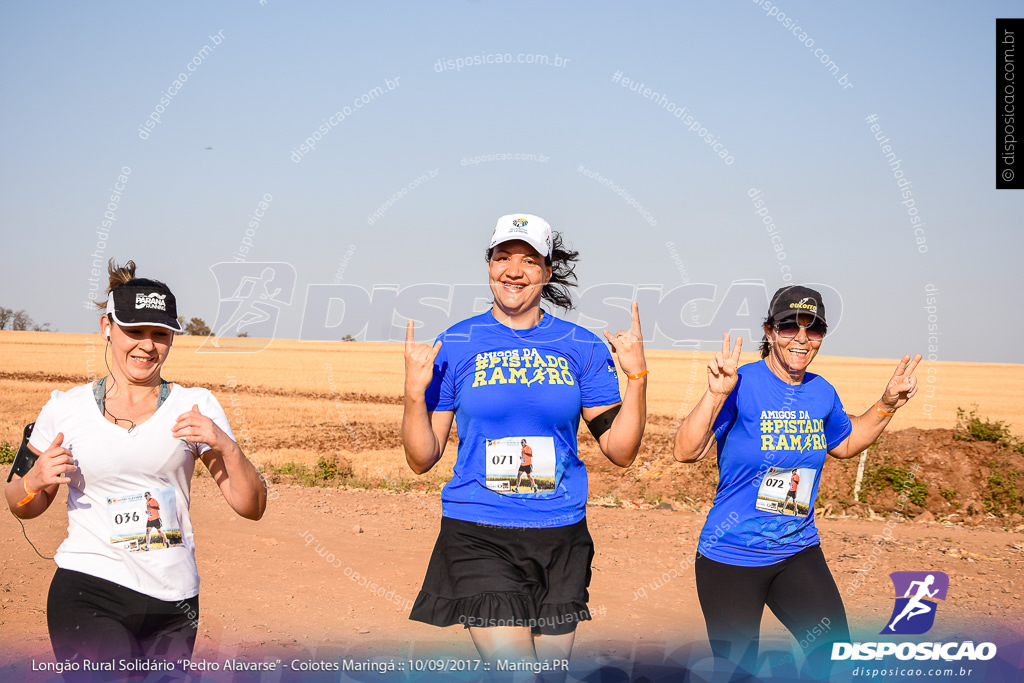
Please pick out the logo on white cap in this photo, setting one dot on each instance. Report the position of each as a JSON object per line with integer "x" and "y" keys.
{"x": 531, "y": 229}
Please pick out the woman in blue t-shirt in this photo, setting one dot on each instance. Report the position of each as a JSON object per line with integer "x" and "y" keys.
{"x": 773, "y": 423}
{"x": 513, "y": 566}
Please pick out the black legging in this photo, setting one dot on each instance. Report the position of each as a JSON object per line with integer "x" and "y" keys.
{"x": 91, "y": 618}
{"x": 799, "y": 590}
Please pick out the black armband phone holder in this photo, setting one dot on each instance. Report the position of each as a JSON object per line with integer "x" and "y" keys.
{"x": 603, "y": 422}
{"x": 25, "y": 458}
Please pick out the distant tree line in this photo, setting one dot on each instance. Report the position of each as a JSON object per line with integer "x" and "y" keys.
{"x": 20, "y": 321}
{"x": 196, "y": 327}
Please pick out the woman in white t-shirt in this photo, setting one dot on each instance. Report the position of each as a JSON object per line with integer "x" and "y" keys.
{"x": 118, "y": 443}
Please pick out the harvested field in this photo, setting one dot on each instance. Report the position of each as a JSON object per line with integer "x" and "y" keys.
{"x": 266, "y": 585}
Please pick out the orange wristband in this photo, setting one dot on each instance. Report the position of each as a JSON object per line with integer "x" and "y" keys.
{"x": 31, "y": 494}
{"x": 638, "y": 375}
{"x": 882, "y": 412}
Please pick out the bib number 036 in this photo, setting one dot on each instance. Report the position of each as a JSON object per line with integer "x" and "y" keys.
{"x": 126, "y": 517}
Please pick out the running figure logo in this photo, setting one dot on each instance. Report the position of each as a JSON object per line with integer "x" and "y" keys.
{"x": 916, "y": 593}
{"x": 526, "y": 466}
{"x": 251, "y": 296}
{"x": 794, "y": 486}
{"x": 153, "y": 521}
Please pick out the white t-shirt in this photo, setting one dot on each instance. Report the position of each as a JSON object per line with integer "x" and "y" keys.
{"x": 108, "y": 517}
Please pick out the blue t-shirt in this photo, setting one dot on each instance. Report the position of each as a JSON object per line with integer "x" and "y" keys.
{"x": 772, "y": 439}
{"x": 517, "y": 396}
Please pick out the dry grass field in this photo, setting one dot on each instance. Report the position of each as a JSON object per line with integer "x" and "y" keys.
{"x": 265, "y": 585}
{"x": 299, "y": 401}
{"x": 351, "y": 392}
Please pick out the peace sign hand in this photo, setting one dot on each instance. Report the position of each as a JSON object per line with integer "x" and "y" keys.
{"x": 628, "y": 345}
{"x": 419, "y": 363}
{"x": 722, "y": 375}
{"x": 902, "y": 386}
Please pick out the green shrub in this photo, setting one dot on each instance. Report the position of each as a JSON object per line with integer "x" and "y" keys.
{"x": 326, "y": 472}
{"x": 950, "y": 495}
{"x": 972, "y": 427}
{"x": 330, "y": 470}
{"x": 880, "y": 477}
{"x": 1001, "y": 494}
{"x": 7, "y": 453}
{"x": 289, "y": 468}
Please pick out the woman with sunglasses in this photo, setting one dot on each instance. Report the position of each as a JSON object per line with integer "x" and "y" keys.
{"x": 773, "y": 423}
{"x": 120, "y": 445}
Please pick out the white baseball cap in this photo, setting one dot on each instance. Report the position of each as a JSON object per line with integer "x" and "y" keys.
{"x": 531, "y": 229}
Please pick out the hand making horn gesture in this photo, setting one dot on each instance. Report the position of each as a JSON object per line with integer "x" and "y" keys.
{"x": 902, "y": 386}
{"x": 628, "y": 345}
{"x": 419, "y": 363}
{"x": 722, "y": 375}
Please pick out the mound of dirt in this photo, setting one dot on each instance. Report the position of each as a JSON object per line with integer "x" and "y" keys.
{"x": 943, "y": 478}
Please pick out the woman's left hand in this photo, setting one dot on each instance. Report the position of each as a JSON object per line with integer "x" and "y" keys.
{"x": 195, "y": 427}
{"x": 902, "y": 386}
{"x": 628, "y": 345}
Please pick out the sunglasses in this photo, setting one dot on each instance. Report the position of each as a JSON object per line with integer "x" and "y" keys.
{"x": 788, "y": 329}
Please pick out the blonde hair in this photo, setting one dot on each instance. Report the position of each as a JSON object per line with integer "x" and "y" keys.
{"x": 119, "y": 275}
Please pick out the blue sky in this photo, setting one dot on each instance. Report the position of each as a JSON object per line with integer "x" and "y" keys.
{"x": 82, "y": 78}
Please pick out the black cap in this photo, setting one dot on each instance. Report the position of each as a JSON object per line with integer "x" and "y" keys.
{"x": 790, "y": 301}
{"x": 144, "y": 304}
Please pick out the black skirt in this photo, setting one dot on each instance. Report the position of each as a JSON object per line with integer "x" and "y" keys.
{"x": 482, "y": 575}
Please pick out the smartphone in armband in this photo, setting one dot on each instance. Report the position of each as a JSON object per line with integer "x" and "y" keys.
{"x": 25, "y": 458}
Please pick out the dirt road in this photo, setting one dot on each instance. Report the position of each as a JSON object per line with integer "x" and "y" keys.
{"x": 329, "y": 574}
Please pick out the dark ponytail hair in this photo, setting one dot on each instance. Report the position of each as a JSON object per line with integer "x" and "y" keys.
{"x": 766, "y": 346}
{"x": 563, "y": 276}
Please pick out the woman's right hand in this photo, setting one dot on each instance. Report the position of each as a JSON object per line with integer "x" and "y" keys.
{"x": 419, "y": 364}
{"x": 53, "y": 466}
{"x": 722, "y": 376}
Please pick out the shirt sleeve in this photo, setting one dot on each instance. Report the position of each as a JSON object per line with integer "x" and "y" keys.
{"x": 837, "y": 424}
{"x": 599, "y": 383}
{"x": 213, "y": 410}
{"x": 440, "y": 394}
{"x": 46, "y": 427}
{"x": 726, "y": 417}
